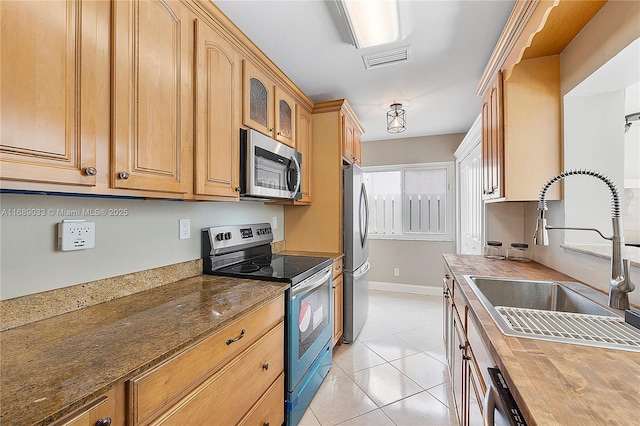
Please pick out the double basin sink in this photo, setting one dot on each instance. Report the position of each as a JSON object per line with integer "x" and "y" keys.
{"x": 550, "y": 310}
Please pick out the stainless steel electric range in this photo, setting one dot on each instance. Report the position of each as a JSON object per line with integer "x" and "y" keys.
{"x": 244, "y": 251}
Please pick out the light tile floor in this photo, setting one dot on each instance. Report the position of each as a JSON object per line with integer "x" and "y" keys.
{"x": 394, "y": 373}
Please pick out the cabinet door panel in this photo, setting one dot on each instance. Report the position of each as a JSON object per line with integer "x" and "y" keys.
{"x": 217, "y": 114}
{"x": 284, "y": 118}
{"x": 493, "y": 141}
{"x": 229, "y": 394}
{"x": 257, "y": 99}
{"x": 303, "y": 144}
{"x": 151, "y": 111}
{"x": 45, "y": 130}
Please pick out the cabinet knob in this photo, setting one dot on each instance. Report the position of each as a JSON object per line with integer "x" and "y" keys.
{"x": 90, "y": 171}
{"x": 237, "y": 188}
{"x": 123, "y": 175}
{"x": 271, "y": 130}
{"x": 265, "y": 366}
{"x": 466, "y": 357}
{"x": 279, "y": 133}
{"x": 461, "y": 347}
{"x": 105, "y": 421}
{"x": 265, "y": 424}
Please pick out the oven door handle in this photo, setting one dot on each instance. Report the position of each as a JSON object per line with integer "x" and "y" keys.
{"x": 310, "y": 284}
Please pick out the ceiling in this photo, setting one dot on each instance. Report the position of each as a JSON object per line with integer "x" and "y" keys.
{"x": 450, "y": 41}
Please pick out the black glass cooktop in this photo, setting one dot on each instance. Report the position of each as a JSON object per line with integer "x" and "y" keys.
{"x": 276, "y": 267}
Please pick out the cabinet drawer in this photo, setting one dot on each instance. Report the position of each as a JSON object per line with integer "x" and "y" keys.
{"x": 165, "y": 384}
{"x": 225, "y": 397}
{"x": 337, "y": 268}
{"x": 270, "y": 409}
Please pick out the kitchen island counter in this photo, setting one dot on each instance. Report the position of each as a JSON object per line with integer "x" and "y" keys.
{"x": 553, "y": 383}
{"x": 51, "y": 367}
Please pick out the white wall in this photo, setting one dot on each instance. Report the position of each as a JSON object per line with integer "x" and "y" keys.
{"x": 147, "y": 237}
{"x": 420, "y": 262}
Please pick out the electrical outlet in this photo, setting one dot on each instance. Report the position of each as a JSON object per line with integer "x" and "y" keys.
{"x": 274, "y": 222}
{"x": 396, "y": 272}
{"x": 185, "y": 229}
{"x": 76, "y": 235}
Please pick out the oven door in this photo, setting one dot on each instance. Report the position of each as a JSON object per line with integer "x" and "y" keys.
{"x": 308, "y": 324}
{"x": 269, "y": 169}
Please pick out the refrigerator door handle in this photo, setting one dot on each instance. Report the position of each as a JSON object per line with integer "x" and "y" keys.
{"x": 364, "y": 232}
{"x": 362, "y": 270}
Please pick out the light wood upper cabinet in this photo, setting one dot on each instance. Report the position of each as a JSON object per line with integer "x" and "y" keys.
{"x": 217, "y": 114}
{"x": 266, "y": 107}
{"x": 303, "y": 144}
{"x": 151, "y": 96}
{"x": 351, "y": 139}
{"x": 48, "y": 92}
{"x": 285, "y": 121}
{"x": 257, "y": 102}
{"x": 492, "y": 141}
{"x": 521, "y": 99}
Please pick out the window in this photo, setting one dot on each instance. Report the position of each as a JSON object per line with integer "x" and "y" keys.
{"x": 412, "y": 202}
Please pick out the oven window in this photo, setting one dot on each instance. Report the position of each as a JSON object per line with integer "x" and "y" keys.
{"x": 313, "y": 317}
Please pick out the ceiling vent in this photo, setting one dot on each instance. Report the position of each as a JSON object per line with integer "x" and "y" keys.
{"x": 388, "y": 57}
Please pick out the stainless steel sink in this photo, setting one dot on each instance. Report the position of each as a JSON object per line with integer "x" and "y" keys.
{"x": 544, "y": 295}
{"x": 549, "y": 310}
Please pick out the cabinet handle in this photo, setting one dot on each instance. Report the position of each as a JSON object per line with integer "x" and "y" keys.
{"x": 235, "y": 339}
{"x": 123, "y": 175}
{"x": 466, "y": 357}
{"x": 105, "y": 421}
{"x": 265, "y": 366}
{"x": 90, "y": 171}
{"x": 461, "y": 347}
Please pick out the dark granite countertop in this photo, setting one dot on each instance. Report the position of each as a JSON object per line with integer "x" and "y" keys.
{"x": 51, "y": 367}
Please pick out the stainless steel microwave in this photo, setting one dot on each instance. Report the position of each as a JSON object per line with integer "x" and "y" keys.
{"x": 268, "y": 168}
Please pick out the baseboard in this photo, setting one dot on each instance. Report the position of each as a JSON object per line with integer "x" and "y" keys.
{"x": 405, "y": 288}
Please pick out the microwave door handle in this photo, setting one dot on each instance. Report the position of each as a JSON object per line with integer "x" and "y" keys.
{"x": 298, "y": 175}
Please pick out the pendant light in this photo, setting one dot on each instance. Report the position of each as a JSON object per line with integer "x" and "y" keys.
{"x": 396, "y": 119}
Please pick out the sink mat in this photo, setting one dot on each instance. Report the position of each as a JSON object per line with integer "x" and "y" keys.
{"x": 593, "y": 330}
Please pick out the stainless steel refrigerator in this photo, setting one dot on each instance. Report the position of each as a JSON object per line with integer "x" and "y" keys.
{"x": 356, "y": 249}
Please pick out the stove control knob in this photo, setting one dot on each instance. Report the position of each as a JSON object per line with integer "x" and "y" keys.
{"x": 220, "y": 237}
{"x": 227, "y": 235}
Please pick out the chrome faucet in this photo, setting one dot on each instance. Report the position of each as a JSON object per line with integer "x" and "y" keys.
{"x": 620, "y": 284}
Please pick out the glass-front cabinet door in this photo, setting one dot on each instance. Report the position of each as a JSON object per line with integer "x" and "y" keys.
{"x": 285, "y": 122}
{"x": 258, "y": 96}
{"x": 266, "y": 107}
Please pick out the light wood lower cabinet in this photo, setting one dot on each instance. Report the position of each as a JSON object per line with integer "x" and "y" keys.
{"x": 225, "y": 397}
{"x": 228, "y": 373}
{"x": 106, "y": 410}
{"x": 467, "y": 356}
{"x": 338, "y": 299}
